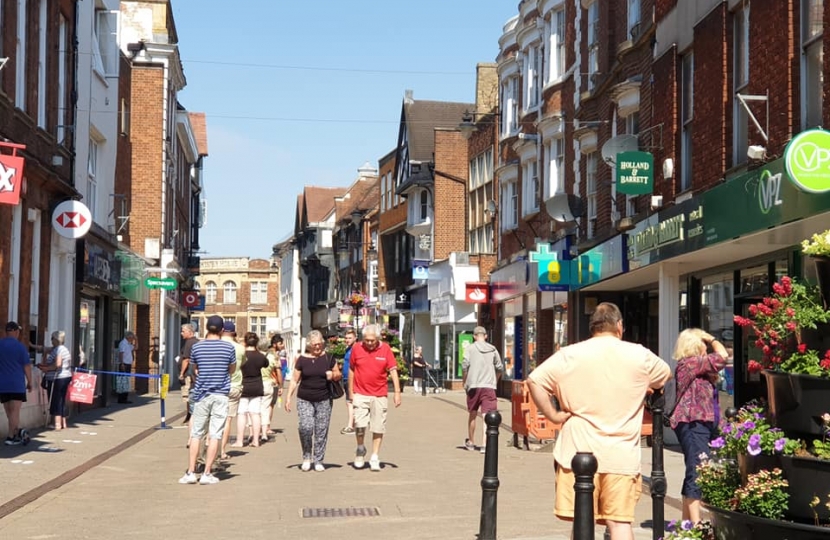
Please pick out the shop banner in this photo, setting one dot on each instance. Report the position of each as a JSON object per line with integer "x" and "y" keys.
{"x": 465, "y": 339}
{"x": 635, "y": 173}
{"x": 477, "y": 293}
{"x": 82, "y": 388}
{"x": 756, "y": 201}
{"x": 674, "y": 231}
{"x": 11, "y": 177}
{"x": 554, "y": 274}
{"x": 807, "y": 158}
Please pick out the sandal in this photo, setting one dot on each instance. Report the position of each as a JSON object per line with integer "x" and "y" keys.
{"x": 224, "y": 457}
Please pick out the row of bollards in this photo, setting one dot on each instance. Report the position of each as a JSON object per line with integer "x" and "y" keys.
{"x": 584, "y": 466}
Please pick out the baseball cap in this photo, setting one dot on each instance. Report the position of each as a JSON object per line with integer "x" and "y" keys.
{"x": 214, "y": 323}
{"x": 12, "y": 326}
{"x": 229, "y": 326}
{"x": 480, "y": 330}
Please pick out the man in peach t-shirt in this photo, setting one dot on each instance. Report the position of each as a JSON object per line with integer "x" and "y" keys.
{"x": 600, "y": 384}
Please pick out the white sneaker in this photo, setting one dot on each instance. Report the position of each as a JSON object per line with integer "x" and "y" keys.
{"x": 374, "y": 463}
{"x": 306, "y": 466}
{"x": 208, "y": 479}
{"x": 359, "y": 457}
{"x": 319, "y": 467}
{"x": 188, "y": 478}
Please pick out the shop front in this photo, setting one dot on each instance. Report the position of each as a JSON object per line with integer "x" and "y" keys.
{"x": 701, "y": 262}
{"x": 102, "y": 312}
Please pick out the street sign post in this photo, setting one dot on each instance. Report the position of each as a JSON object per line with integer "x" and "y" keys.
{"x": 161, "y": 283}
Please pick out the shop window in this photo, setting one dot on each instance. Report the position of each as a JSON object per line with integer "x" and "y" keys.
{"x": 755, "y": 280}
{"x": 508, "y": 347}
{"x": 716, "y": 303}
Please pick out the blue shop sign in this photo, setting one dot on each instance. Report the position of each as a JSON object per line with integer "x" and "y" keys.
{"x": 601, "y": 262}
{"x": 100, "y": 267}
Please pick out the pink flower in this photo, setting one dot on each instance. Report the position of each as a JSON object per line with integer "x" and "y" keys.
{"x": 825, "y": 364}
{"x": 790, "y": 312}
{"x": 790, "y": 326}
{"x": 753, "y": 310}
{"x": 766, "y": 349}
{"x": 802, "y": 348}
{"x": 754, "y": 367}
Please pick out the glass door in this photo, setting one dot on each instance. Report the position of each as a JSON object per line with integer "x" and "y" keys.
{"x": 747, "y": 385}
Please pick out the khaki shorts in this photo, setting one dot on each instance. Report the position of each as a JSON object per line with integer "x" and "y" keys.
{"x": 233, "y": 402}
{"x": 370, "y": 411}
{"x": 615, "y": 495}
{"x": 186, "y": 389}
{"x": 267, "y": 396}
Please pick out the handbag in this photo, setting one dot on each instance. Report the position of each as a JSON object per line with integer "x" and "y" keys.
{"x": 336, "y": 390}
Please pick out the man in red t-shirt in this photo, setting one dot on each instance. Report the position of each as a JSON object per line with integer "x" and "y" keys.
{"x": 370, "y": 363}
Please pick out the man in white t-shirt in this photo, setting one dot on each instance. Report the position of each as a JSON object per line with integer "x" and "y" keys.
{"x": 126, "y": 355}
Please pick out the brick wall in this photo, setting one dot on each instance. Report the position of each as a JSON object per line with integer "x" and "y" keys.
{"x": 451, "y": 163}
{"x": 123, "y": 158}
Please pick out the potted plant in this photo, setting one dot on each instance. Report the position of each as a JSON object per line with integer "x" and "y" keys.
{"x": 797, "y": 373}
{"x": 392, "y": 337}
{"x": 686, "y": 530}
{"x": 336, "y": 346}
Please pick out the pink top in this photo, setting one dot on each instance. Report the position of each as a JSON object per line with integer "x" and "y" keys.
{"x": 696, "y": 377}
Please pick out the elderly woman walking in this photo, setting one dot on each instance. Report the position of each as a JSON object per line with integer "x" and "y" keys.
{"x": 312, "y": 372}
{"x": 57, "y": 369}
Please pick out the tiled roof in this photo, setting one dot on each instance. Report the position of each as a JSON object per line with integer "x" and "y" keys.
{"x": 422, "y": 117}
{"x": 319, "y": 201}
{"x": 363, "y": 195}
{"x": 199, "y": 124}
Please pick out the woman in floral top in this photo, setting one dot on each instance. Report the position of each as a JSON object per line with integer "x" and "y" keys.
{"x": 694, "y": 418}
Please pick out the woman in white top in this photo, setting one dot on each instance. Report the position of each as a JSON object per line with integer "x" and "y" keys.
{"x": 57, "y": 369}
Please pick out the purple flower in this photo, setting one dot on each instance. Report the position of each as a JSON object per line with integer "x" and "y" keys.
{"x": 749, "y": 424}
{"x": 727, "y": 428}
{"x": 717, "y": 443}
{"x": 672, "y": 526}
{"x": 754, "y": 446}
{"x": 686, "y": 525}
{"x": 779, "y": 444}
{"x": 757, "y": 416}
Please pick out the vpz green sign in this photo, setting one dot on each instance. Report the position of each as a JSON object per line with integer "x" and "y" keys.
{"x": 807, "y": 159}
{"x": 635, "y": 173}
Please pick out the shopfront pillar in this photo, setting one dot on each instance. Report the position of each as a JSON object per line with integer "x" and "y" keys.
{"x": 668, "y": 288}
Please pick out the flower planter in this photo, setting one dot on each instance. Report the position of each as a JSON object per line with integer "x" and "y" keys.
{"x": 797, "y": 402}
{"x": 822, "y": 265}
{"x": 736, "y": 526}
{"x": 752, "y": 464}
{"x": 807, "y": 478}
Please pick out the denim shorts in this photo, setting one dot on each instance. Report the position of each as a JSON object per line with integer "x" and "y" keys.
{"x": 694, "y": 440}
{"x": 209, "y": 415}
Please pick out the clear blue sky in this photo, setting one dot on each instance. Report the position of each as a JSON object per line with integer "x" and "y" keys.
{"x": 273, "y": 129}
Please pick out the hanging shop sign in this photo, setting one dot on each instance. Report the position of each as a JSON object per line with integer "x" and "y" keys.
{"x": 11, "y": 174}
{"x": 807, "y": 159}
{"x": 477, "y": 293}
{"x": 101, "y": 267}
{"x": 635, "y": 173}
{"x": 71, "y": 219}
{"x": 190, "y": 299}
{"x": 167, "y": 284}
{"x": 553, "y": 273}
{"x": 763, "y": 198}
{"x": 420, "y": 269}
{"x": 403, "y": 301}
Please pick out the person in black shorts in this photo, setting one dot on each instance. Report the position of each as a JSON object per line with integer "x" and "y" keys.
{"x": 15, "y": 381}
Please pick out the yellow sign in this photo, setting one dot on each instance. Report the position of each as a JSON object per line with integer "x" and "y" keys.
{"x": 165, "y": 382}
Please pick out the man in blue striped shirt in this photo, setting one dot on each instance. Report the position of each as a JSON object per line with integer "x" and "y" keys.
{"x": 214, "y": 360}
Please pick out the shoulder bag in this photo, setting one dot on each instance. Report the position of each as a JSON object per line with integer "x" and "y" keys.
{"x": 336, "y": 390}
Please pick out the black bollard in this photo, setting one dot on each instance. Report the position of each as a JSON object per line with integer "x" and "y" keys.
{"x": 731, "y": 413}
{"x": 490, "y": 480}
{"x": 584, "y": 466}
{"x": 658, "y": 474}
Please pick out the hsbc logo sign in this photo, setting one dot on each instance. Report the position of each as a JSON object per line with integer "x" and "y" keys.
{"x": 71, "y": 219}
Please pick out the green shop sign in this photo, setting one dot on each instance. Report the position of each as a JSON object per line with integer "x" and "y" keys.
{"x": 635, "y": 173}
{"x": 161, "y": 283}
{"x": 758, "y": 200}
{"x": 807, "y": 159}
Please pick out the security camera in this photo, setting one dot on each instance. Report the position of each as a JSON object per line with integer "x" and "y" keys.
{"x": 756, "y": 152}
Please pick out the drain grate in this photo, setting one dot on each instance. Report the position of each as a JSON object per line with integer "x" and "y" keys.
{"x": 368, "y": 511}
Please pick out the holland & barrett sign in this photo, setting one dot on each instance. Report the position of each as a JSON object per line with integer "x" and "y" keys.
{"x": 807, "y": 159}
{"x": 635, "y": 173}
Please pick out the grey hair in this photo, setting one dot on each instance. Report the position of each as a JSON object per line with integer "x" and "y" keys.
{"x": 373, "y": 329}
{"x": 189, "y": 328}
{"x": 129, "y": 334}
{"x": 314, "y": 335}
{"x": 59, "y": 336}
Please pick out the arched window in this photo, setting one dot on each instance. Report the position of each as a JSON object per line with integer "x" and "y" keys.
{"x": 229, "y": 292}
{"x": 210, "y": 292}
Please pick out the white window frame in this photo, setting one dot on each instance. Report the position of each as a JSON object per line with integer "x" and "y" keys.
{"x": 258, "y": 324}
{"x": 210, "y": 292}
{"x": 532, "y": 78}
{"x": 510, "y": 205}
{"x": 92, "y": 178}
{"x": 259, "y": 292}
{"x": 740, "y": 118}
{"x": 60, "y": 129}
{"x": 593, "y": 43}
{"x": 812, "y": 80}
{"x": 229, "y": 290}
{"x": 480, "y": 189}
{"x": 687, "y": 100}
{"x": 105, "y": 47}
{"x": 34, "y": 283}
{"x": 554, "y": 179}
{"x": 530, "y": 187}
{"x": 20, "y": 56}
{"x": 383, "y": 192}
{"x": 14, "y": 264}
{"x": 591, "y": 193}
{"x": 41, "y": 63}
{"x": 633, "y": 16}
{"x": 511, "y": 89}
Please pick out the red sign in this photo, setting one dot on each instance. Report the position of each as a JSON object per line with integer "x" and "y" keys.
{"x": 71, "y": 219}
{"x": 82, "y": 388}
{"x": 190, "y": 299}
{"x": 477, "y": 293}
{"x": 11, "y": 174}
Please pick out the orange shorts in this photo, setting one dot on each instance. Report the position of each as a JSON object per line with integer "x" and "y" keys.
{"x": 615, "y": 495}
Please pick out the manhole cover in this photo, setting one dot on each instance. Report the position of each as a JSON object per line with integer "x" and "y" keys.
{"x": 369, "y": 511}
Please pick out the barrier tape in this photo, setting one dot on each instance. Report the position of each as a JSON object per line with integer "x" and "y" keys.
{"x": 125, "y": 374}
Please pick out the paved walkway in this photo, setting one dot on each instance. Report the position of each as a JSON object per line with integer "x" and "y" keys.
{"x": 120, "y": 481}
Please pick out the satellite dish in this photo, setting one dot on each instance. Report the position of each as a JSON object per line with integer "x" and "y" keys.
{"x": 564, "y": 207}
{"x": 616, "y": 145}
